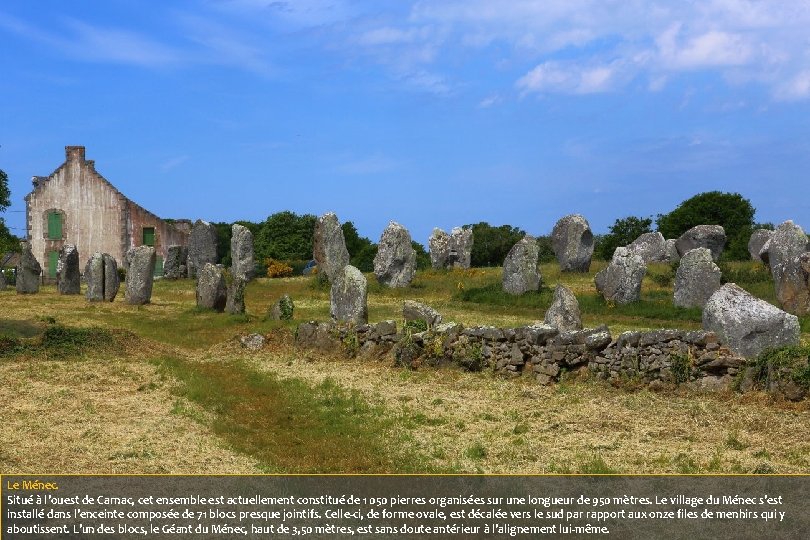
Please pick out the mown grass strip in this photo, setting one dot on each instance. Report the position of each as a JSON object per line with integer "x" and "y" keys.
{"x": 292, "y": 427}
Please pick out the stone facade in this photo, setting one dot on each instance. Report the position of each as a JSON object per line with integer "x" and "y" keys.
{"x": 76, "y": 205}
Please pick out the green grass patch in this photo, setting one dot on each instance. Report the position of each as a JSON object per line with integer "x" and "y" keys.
{"x": 784, "y": 363}
{"x": 58, "y": 341}
{"x": 290, "y": 426}
{"x": 493, "y": 294}
{"x": 595, "y": 465}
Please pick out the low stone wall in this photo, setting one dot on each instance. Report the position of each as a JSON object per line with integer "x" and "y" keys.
{"x": 656, "y": 357}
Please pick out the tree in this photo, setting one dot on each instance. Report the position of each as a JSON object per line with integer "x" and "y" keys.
{"x": 622, "y": 232}
{"x": 8, "y": 242}
{"x": 492, "y": 244}
{"x": 730, "y": 210}
{"x": 285, "y": 236}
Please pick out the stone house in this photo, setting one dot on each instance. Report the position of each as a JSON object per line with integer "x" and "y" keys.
{"x": 76, "y": 205}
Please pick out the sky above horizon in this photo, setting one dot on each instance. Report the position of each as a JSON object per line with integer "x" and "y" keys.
{"x": 429, "y": 113}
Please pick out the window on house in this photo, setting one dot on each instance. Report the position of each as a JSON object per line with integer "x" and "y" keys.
{"x": 54, "y": 226}
{"x": 149, "y": 236}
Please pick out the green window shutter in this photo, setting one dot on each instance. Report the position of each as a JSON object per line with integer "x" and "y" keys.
{"x": 149, "y": 236}
{"x": 54, "y": 226}
{"x": 158, "y": 266}
{"x": 53, "y": 259}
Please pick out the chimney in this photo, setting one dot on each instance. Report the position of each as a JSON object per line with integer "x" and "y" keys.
{"x": 74, "y": 153}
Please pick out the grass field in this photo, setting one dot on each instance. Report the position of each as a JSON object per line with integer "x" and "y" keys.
{"x": 168, "y": 388}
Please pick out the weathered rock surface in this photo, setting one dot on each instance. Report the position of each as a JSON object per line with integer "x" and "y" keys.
{"x": 783, "y": 254}
{"x": 696, "y": 279}
{"x": 282, "y": 310}
{"x": 202, "y": 247}
{"x": 140, "y": 275}
{"x": 416, "y": 311}
{"x": 252, "y": 342}
{"x": 329, "y": 246}
{"x": 28, "y": 271}
{"x": 620, "y": 282}
{"x": 563, "y": 313}
{"x": 112, "y": 281}
{"x": 746, "y": 324}
{"x": 395, "y": 262}
{"x": 3, "y": 283}
{"x": 68, "y": 277}
{"x": 212, "y": 292}
{"x": 349, "y": 296}
{"x": 651, "y": 247}
{"x": 672, "y": 250}
{"x": 439, "y": 246}
{"x": 235, "y": 296}
{"x": 174, "y": 267}
{"x": 572, "y": 242}
{"x": 461, "y": 243}
{"x": 242, "y": 265}
{"x": 712, "y": 237}
{"x": 520, "y": 272}
{"x": 758, "y": 239}
{"x": 101, "y": 276}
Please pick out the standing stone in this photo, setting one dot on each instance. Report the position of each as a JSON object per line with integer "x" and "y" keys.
{"x": 101, "y": 276}
{"x": 520, "y": 272}
{"x": 235, "y": 296}
{"x": 174, "y": 267}
{"x": 708, "y": 236}
{"x": 758, "y": 239}
{"x": 395, "y": 262}
{"x": 651, "y": 247}
{"x": 564, "y": 314}
{"x": 746, "y": 324}
{"x": 620, "y": 282}
{"x": 671, "y": 249}
{"x": 242, "y": 266}
{"x": 349, "y": 297}
{"x": 68, "y": 279}
{"x": 697, "y": 278}
{"x": 461, "y": 242}
{"x": 329, "y": 246}
{"x": 782, "y": 253}
{"x": 439, "y": 246}
{"x": 141, "y": 275}
{"x": 572, "y": 242}
{"x": 202, "y": 247}
{"x": 3, "y": 283}
{"x": 28, "y": 271}
{"x": 212, "y": 292}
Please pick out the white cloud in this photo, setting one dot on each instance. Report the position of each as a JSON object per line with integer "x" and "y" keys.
{"x": 558, "y": 77}
{"x": 489, "y": 101}
{"x": 709, "y": 49}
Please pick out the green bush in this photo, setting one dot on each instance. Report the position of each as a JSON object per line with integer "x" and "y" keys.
{"x": 782, "y": 364}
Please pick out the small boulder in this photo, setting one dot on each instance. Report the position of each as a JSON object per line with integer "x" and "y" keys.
{"x": 349, "y": 297}
{"x": 651, "y": 247}
{"x": 243, "y": 266}
{"x": 621, "y": 281}
{"x": 415, "y": 311}
{"x": 395, "y": 262}
{"x": 329, "y": 246}
{"x": 758, "y": 239}
{"x": 564, "y": 314}
{"x": 212, "y": 292}
{"x": 696, "y": 279}
{"x": 282, "y": 310}
{"x": 140, "y": 275}
{"x": 746, "y": 324}
{"x": 174, "y": 267}
{"x": 572, "y": 242}
{"x": 202, "y": 247}
{"x": 712, "y": 237}
{"x": 68, "y": 278}
{"x": 520, "y": 272}
{"x": 28, "y": 271}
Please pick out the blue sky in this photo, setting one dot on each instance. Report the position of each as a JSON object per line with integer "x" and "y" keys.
{"x": 429, "y": 113}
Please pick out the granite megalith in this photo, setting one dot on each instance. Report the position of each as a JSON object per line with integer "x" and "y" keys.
{"x": 349, "y": 297}
{"x": 758, "y": 239}
{"x": 141, "y": 275}
{"x": 572, "y": 242}
{"x": 563, "y": 313}
{"x": 101, "y": 276}
{"x": 712, "y": 237}
{"x": 329, "y": 246}
{"x": 782, "y": 252}
{"x": 242, "y": 256}
{"x": 621, "y": 281}
{"x": 395, "y": 262}
{"x": 212, "y": 291}
{"x": 696, "y": 279}
{"x": 461, "y": 245}
{"x": 520, "y": 272}
{"x": 235, "y": 295}
{"x": 28, "y": 271}
{"x": 174, "y": 267}
{"x": 439, "y": 246}
{"x": 68, "y": 277}
{"x": 416, "y": 311}
{"x": 651, "y": 247}
{"x": 202, "y": 247}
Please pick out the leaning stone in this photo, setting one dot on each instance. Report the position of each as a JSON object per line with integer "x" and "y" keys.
{"x": 415, "y": 311}
{"x": 349, "y": 297}
{"x": 439, "y": 245}
{"x": 758, "y": 239}
{"x": 395, "y": 262}
{"x": 564, "y": 312}
{"x": 712, "y": 237}
{"x": 242, "y": 266}
{"x": 202, "y": 247}
{"x": 140, "y": 275}
{"x": 329, "y": 246}
{"x": 746, "y": 324}
{"x": 461, "y": 245}
{"x": 174, "y": 267}
{"x": 282, "y": 310}
{"x": 235, "y": 296}
{"x": 572, "y": 242}
{"x": 783, "y": 253}
{"x": 212, "y": 292}
{"x": 620, "y": 282}
{"x": 68, "y": 279}
{"x": 28, "y": 271}
{"x": 520, "y": 272}
{"x": 651, "y": 247}
{"x": 696, "y": 279}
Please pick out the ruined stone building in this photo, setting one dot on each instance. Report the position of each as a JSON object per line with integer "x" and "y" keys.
{"x": 76, "y": 205}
